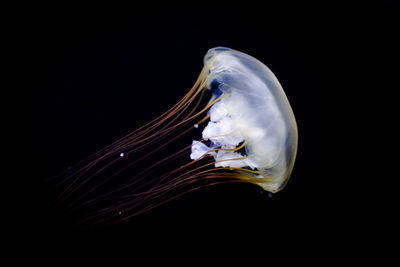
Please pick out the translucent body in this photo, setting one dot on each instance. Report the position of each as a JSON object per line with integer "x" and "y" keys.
{"x": 249, "y": 134}
{"x": 253, "y": 110}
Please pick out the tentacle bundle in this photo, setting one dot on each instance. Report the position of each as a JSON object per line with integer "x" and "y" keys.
{"x": 142, "y": 170}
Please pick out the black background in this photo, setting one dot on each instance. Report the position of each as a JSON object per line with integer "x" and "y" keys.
{"x": 99, "y": 74}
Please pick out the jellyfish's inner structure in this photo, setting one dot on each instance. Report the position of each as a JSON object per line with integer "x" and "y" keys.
{"x": 243, "y": 128}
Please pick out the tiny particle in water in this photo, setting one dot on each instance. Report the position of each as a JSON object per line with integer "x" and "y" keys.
{"x": 122, "y": 154}
{"x": 196, "y": 126}
{"x": 119, "y": 213}
{"x": 270, "y": 195}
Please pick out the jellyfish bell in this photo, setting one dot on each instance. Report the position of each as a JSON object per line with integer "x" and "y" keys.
{"x": 245, "y": 132}
{"x": 255, "y": 109}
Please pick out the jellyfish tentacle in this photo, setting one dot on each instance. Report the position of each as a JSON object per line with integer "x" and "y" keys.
{"x": 116, "y": 146}
{"x": 128, "y": 144}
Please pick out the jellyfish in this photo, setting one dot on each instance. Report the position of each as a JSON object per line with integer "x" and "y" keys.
{"x": 241, "y": 127}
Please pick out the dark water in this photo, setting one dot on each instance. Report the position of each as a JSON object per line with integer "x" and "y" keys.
{"x": 98, "y": 77}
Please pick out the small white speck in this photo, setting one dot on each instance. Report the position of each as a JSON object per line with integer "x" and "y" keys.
{"x": 196, "y": 126}
{"x": 122, "y": 154}
{"x": 119, "y": 213}
{"x": 270, "y": 195}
